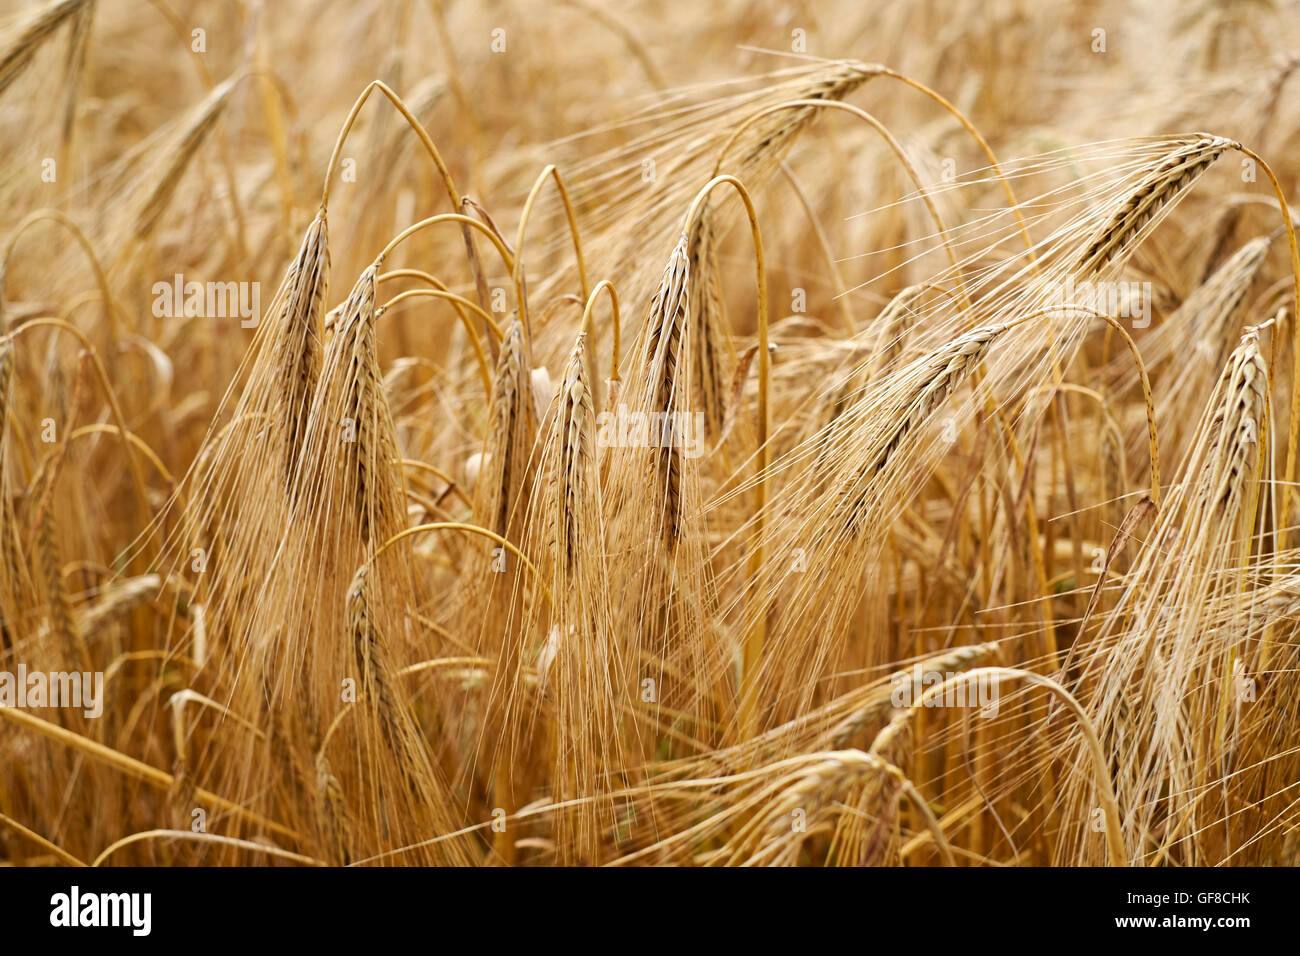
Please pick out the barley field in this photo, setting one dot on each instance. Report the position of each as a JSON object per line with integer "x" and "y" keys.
{"x": 570, "y": 433}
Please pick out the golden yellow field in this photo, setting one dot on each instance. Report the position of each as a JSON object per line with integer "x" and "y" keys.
{"x": 436, "y": 432}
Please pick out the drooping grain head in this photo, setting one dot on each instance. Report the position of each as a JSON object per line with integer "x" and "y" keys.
{"x": 354, "y": 418}
{"x": 512, "y": 430}
{"x": 894, "y": 741}
{"x": 178, "y": 157}
{"x": 814, "y": 790}
{"x": 388, "y": 706}
{"x": 954, "y": 661}
{"x": 371, "y": 659}
{"x": 665, "y": 384}
{"x": 762, "y": 146}
{"x": 892, "y": 325}
{"x": 1217, "y": 305}
{"x": 1154, "y": 194}
{"x": 1237, "y": 429}
{"x": 62, "y": 623}
{"x": 297, "y": 355}
{"x": 925, "y": 386}
{"x": 332, "y": 814}
{"x": 117, "y": 600}
{"x": 18, "y": 48}
{"x": 576, "y": 416}
{"x": 707, "y": 325}
{"x": 78, "y": 45}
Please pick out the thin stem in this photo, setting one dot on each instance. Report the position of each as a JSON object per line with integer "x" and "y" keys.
{"x": 984, "y": 146}
{"x": 526, "y": 214}
{"x": 458, "y": 91}
{"x": 484, "y": 372}
{"x": 438, "y": 473}
{"x": 1294, "y": 428}
{"x": 101, "y": 278}
{"x": 142, "y": 771}
{"x": 116, "y": 409}
{"x": 588, "y": 324}
{"x": 40, "y": 841}
{"x": 468, "y": 529}
{"x": 757, "y": 632}
{"x": 931, "y": 821}
{"x": 415, "y": 125}
{"x": 466, "y": 221}
{"x": 1110, "y": 806}
{"x": 457, "y": 301}
{"x": 448, "y": 184}
{"x": 894, "y": 146}
{"x": 205, "y": 838}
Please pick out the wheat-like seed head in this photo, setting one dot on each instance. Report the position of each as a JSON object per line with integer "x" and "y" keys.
{"x": 372, "y": 661}
{"x": 1238, "y": 425}
{"x": 707, "y": 324}
{"x": 893, "y": 323}
{"x": 398, "y": 728}
{"x": 665, "y": 333}
{"x": 812, "y": 791}
{"x": 297, "y": 348}
{"x": 178, "y": 157}
{"x": 118, "y": 599}
{"x": 502, "y": 481}
{"x": 78, "y": 45}
{"x": 11, "y": 559}
{"x": 930, "y": 381}
{"x": 765, "y": 143}
{"x": 1153, "y": 195}
{"x": 863, "y": 834}
{"x": 575, "y": 452}
{"x": 332, "y": 811}
{"x": 877, "y": 706}
{"x": 1219, "y": 303}
{"x": 62, "y": 622}
{"x": 26, "y": 37}
{"x": 352, "y": 421}
{"x": 941, "y": 372}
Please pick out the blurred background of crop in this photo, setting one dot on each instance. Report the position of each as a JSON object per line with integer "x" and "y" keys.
{"x": 504, "y": 87}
